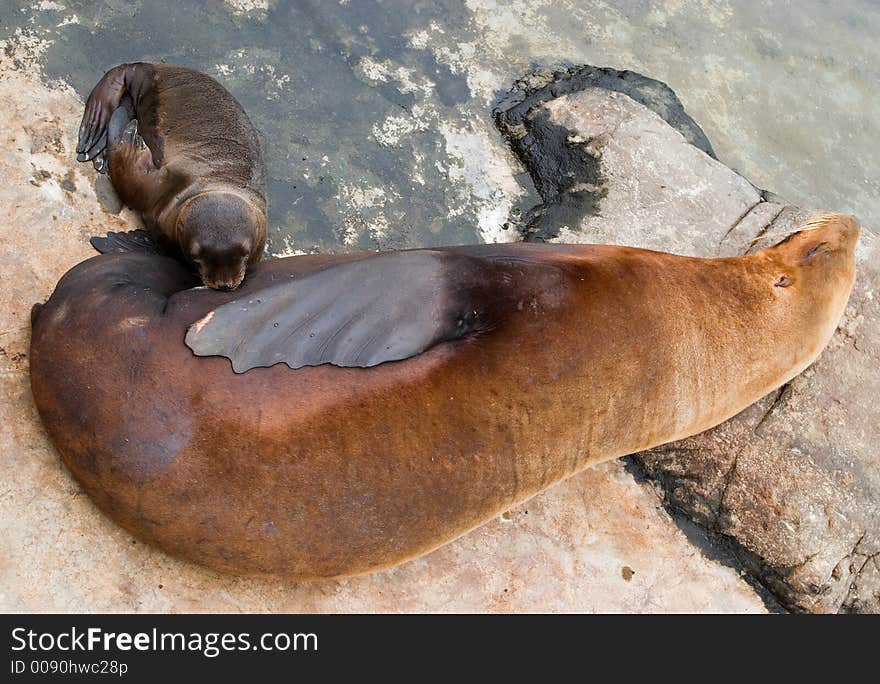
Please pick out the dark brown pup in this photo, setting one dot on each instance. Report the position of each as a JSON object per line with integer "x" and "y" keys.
{"x": 587, "y": 353}
{"x": 182, "y": 151}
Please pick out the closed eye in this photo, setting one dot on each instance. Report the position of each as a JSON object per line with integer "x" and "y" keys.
{"x": 810, "y": 252}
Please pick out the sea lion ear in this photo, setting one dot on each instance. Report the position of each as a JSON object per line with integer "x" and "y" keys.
{"x": 356, "y": 314}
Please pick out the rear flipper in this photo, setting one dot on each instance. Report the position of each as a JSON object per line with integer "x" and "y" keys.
{"x": 118, "y": 132}
{"x": 132, "y": 241}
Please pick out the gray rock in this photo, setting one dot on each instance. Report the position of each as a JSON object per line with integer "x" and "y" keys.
{"x": 106, "y": 194}
{"x": 792, "y": 484}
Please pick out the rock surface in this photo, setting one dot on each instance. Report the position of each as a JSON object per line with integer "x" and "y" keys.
{"x": 792, "y": 484}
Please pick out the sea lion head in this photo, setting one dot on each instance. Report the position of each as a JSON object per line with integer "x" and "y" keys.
{"x": 221, "y": 233}
{"x": 813, "y": 269}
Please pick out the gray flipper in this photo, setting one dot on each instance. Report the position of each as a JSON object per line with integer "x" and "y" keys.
{"x": 120, "y": 120}
{"x": 355, "y": 314}
{"x": 131, "y": 241}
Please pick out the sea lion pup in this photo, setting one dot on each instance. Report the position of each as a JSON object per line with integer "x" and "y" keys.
{"x": 181, "y": 151}
{"x": 535, "y": 361}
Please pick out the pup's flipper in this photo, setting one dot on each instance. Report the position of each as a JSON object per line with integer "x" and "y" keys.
{"x": 131, "y": 241}
{"x": 130, "y": 136}
{"x": 101, "y": 105}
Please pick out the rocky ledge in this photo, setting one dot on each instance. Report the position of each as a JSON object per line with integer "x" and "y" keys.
{"x": 791, "y": 486}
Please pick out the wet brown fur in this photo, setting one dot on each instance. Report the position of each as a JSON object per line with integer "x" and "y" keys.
{"x": 598, "y": 351}
{"x": 200, "y": 143}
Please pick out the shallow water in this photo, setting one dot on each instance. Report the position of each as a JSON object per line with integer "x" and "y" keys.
{"x": 376, "y": 116}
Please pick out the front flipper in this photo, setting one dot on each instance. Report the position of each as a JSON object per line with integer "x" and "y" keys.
{"x": 121, "y": 83}
{"x": 131, "y": 241}
{"x": 356, "y": 314}
{"x": 100, "y": 107}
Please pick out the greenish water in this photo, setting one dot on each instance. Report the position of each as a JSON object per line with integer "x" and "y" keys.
{"x": 376, "y": 116}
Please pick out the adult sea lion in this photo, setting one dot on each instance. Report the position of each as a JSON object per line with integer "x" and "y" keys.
{"x": 531, "y": 363}
{"x": 181, "y": 151}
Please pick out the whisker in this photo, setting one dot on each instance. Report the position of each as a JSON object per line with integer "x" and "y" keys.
{"x": 812, "y": 224}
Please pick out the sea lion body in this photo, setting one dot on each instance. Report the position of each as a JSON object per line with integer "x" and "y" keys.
{"x": 182, "y": 151}
{"x": 593, "y": 352}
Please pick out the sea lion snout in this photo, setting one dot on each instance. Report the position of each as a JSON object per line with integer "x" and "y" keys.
{"x": 830, "y": 235}
{"x": 224, "y": 270}
{"x": 223, "y": 285}
{"x": 837, "y": 232}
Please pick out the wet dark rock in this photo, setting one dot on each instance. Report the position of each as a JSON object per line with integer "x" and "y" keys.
{"x": 568, "y": 176}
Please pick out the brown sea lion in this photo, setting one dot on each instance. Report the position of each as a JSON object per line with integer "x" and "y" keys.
{"x": 526, "y": 363}
{"x": 181, "y": 151}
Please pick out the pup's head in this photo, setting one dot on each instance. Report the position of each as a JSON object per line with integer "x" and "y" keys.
{"x": 221, "y": 233}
